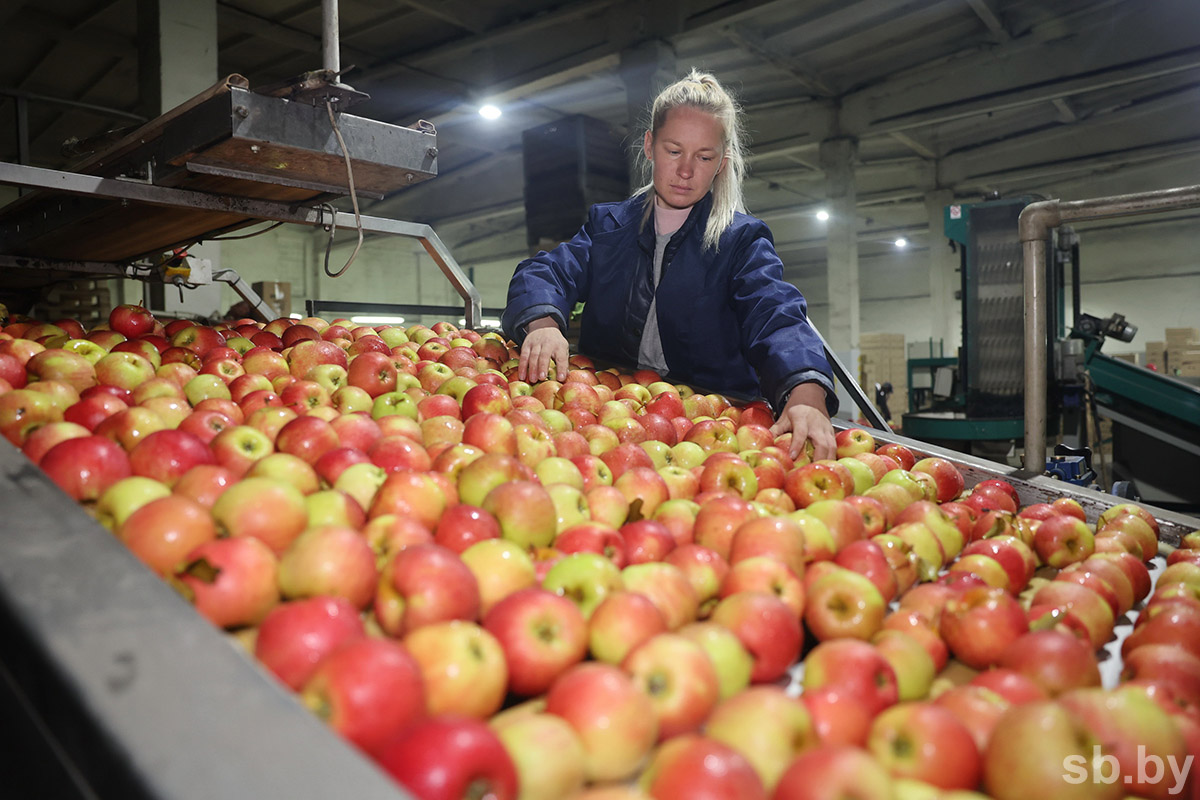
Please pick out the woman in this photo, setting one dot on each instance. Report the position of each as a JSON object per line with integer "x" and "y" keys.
{"x": 679, "y": 280}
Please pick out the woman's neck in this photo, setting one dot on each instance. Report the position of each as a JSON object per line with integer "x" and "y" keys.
{"x": 668, "y": 220}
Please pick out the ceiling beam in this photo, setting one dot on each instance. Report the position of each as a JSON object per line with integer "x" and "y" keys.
{"x": 460, "y": 14}
{"x": 989, "y": 18}
{"x": 752, "y": 43}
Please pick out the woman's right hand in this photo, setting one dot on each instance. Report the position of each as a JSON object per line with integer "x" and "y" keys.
{"x": 544, "y": 342}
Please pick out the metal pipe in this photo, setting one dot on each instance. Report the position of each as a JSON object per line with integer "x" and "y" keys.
{"x": 330, "y": 51}
{"x": 1034, "y": 226}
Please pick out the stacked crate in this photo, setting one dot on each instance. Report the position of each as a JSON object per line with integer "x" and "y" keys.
{"x": 87, "y": 301}
{"x": 1183, "y": 351}
{"x": 883, "y": 359}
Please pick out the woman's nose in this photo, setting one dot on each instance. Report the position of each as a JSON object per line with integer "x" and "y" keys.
{"x": 685, "y": 168}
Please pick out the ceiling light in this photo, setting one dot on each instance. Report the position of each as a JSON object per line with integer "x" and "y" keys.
{"x": 901, "y": 243}
{"x": 823, "y": 215}
{"x": 489, "y": 111}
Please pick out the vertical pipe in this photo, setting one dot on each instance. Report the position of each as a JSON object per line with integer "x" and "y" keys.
{"x": 331, "y": 54}
{"x": 1035, "y": 356}
{"x": 1075, "y": 285}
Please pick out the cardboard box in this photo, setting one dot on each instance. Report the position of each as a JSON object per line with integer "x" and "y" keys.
{"x": 1187, "y": 364}
{"x": 1182, "y": 336}
{"x": 1156, "y": 354}
{"x": 278, "y": 295}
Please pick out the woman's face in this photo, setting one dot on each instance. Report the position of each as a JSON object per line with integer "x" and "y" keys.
{"x": 687, "y": 153}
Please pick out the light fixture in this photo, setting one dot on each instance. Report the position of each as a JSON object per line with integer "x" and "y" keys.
{"x": 489, "y": 111}
{"x": 901, "y": 243}
{"x": 484, "y": 322}
{"x": 823, "y": 215}
{"x": 377, "y": 320}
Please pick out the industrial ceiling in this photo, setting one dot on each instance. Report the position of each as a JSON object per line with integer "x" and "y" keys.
{"x": 970, "y": 96}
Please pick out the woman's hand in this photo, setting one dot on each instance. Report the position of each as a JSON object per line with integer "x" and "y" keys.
{"x": 544, "y": 342}
{"x": 805, "y": 416}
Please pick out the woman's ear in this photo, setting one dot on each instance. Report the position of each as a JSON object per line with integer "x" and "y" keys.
{"x": 648, "y": 146}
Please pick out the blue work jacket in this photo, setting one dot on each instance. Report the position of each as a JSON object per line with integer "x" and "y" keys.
{"x": 728, "y": 320}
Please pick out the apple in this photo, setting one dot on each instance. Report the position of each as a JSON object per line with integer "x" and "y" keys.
{"x": 541, "y": 634}
{"x": 583, "y": 578}
{"x": 868, "y": 558}
{"x": 855, "y": 666}
{"x": 852, "y": 441}
{"x": 1054, "y": 660}
{"x": 782, "y": 538}
{"x": 1012, "y": 769}
{"x": 718, "y": 520}
{"x": 766, "y": 627}
{"x": 1132, "y": 523}
{"x": 620, "y": 623}
{"x": 296, "y": 636}
{"x": 833, "y": 771}
{"x": 927, "y": 742}
{"x": 86, "y": 466}
{"x": 1090, "y": 608}
{"x": 546, "y": 752}
{"x": 131, "y": 320}
{"x": 678, "y": 676}
{"x": 812, "y": 482}
{"x": 329, "y": 560}
{"x": 980, "y": 624}
{"x": 768, "y": 575}
{"x": 614, "y": 719}
{"x": 462, "y": 668}
{"x": 915, "y": 668}
{"x": 844, "y": 604}
{"x": 608, "y": 505}
{"x": 231, "y": 582}
{"x": 525, "y": 512}
{"x": 693, "y": 766}
{"x": 1168, "y": 664}
{"x": 500, "y": 568}
{"x": 767, "y": 726}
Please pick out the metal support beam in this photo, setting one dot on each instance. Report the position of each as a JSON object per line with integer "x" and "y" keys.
{"x": 1035, "y": 224}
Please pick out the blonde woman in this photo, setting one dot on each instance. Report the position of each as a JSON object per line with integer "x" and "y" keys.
{"x": 678, "y": 279}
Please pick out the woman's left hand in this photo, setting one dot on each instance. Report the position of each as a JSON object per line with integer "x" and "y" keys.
{"x": 805, "y": 416}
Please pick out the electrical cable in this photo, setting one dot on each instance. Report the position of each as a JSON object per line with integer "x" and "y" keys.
{"x": 267, "y": 229}
{"x": 353, "y": 199}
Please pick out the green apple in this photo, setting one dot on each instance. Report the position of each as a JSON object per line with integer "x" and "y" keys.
{"x": 583, "y": 578}
{"x": 864, "y": 478}
{"x": 570, "y": 504}
{"x": 729, "y": 656}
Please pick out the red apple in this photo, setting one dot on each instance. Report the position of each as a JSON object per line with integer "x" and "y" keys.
{"x": 296, "y": 636}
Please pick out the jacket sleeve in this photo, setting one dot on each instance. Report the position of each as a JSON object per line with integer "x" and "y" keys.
{"x": 777, "y": 338}
{"x": 549, "y": 284}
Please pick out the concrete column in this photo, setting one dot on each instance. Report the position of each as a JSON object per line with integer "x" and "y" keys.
{"x": 646, "y": 69}
{"x": 837, "y": 162}
{"x": 945, "y": 312}
{"x": 178, "y": 61}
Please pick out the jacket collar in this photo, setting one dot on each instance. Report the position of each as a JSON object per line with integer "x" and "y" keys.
{"x": 698, "y": 216}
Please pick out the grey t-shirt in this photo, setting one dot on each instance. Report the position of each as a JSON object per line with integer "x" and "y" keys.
{"x": 650, "y": 352}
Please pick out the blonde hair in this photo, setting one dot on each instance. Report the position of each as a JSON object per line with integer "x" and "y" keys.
{"x": 702, "y": 91}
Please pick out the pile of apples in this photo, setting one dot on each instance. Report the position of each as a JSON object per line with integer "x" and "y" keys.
{"x": 606, "y": 585}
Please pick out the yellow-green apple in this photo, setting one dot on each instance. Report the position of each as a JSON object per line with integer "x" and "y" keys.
{"x": 1054, "y": 660}
{"x": 124, "y": 497}
{"x": 614, "y": 719}
{"x": 832, "y": 771}
{"x": 462, "y": 667}
{"x": 687, "y": 454}
{"x": 546, "y": 752}
{"x": 329, "y": 560}
{"x": 926, "y": 742}
{"x": 296, "y": 636}
{"x": 361, "y": 481}
{"x": 854, "y": 666}
{"x": 368, "y": 691}
{"x": 893, "y": 497}
{"x": 679, "y": 678}
{"x": 682, "y": 484}
{"x": 1082, "y": 602}
{"x": 583, "y": 578}
{"x": 423, "y": 584}
{"x": 231, "y": 582}
{"x": 732, "y": 662}
{"x": 86, "y": 466}
{"x": 556, "y": 469}
{"x": 925, "y": 544}
{"x": 980, "y": 624}
{"x": 124, "y": 369}
{"x": 868, "y": 558}
{"x": 712, "y": 435}
{"x": 767, "y": 726}
{"x": 570, "y": 507}
{"x": 394, "y": 404}
{"x": 1063, "y": 766}
{"x": 981, "y": 566}
{"x": 766, "y": 627}
{"x": 852, "y": 441}
{"x": 844, "y": 604}
{"x": 864, "y": 478}
{"x": 842, "y": 518}
{"x": 500, "y": 568}
{"x": 163, "y": 531}
{"x": 541, "y": 635}
{"x": 934, "y": 518}
{"x": 594, "y": 471}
